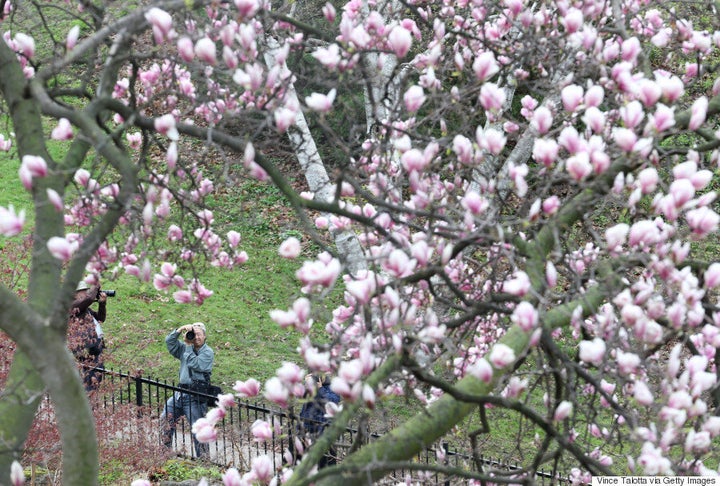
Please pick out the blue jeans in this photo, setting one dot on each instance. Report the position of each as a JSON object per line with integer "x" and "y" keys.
{"x": 192, "y": 408}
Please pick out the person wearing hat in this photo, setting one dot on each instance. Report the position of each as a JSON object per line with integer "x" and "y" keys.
{"x": 85, "y": 335}
{"x": 187, "y": 344}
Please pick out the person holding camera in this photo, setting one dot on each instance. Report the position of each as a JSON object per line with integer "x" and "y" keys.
{"x": 85, "y": 334}
{"x": 187, "y": 344}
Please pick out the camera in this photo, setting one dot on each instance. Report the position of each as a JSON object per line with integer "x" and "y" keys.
{"x": 108, "y": 293}
{"x": 190, "y": 335}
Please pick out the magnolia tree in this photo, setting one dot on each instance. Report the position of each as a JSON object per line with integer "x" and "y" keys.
{"x": 514, "y": 198}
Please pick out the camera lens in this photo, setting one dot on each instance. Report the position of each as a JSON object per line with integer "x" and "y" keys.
{"x": 109, "y": 293}
{"x": 190, "y": 335}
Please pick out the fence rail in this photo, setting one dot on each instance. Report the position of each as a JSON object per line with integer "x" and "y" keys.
{"x": 235, "y": 445}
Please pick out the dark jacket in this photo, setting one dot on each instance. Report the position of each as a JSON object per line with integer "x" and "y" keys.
{"x": 313, "y": 412}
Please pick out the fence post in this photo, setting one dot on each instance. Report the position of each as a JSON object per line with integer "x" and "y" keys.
{"x": 446, "y": 461}
{"x": 138, "y": 391}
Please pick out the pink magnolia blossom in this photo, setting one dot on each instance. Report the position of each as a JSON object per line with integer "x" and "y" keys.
{"x": 672, "y": 87}
{"x": 284, "y": 318}
{"x": 492, "y": 97}
{"x": 649, "y": 92}
{"x": 571, "y": 141}
{"x": 17, "y": 475}
{"x": 61, "y": 248}
{"x": 578, "y": 166}
{"x": 206, "y": 51}
{"x": 329, "y": 13}
{"x": 247, "y": 389}
{"x": 491, "y": 140}
{"x": 545, "y": 151}
{"x": 11, "y": 223}
{"x": 685, "y": 170}
{"x": 642, "y": 393}
{"x": 247, "y": 8}
{"x": 648, "y": 179}
{"x": 501, "y": 356}
{"x": 518, "y": 285}
{"x": 594, "y": 119}
{"x": 328, "y": 56}
{"x": 166, "y": 126}
{"x": 261, "y": 431}
{"x": 4, "y": 144}
{"x": 644, "y": 233}
{"x": 320, "y": 272}
{"x": 290, "y": 374}
{"x": 663, "y": 119}
{"x": 183, "y": 297}
{"x": 233, "y": 238}
{"x": 186, "y": 49}
{"x": 630, "y": 49}
{"x": 632, "y": 114}
{"x": 474, "y": 203}
{"x": 34, "y": 165}
{"x": 515, "y": 387}
{"x": 712, "y": 275}
{"x": 161, "y": 22}
{"x": 481, "y": 370}
{"x": 414, "y": 160}
{"x": 414, "y": 98}
{"x": 652, "y": 460}
{"x": 63, "y": 130}
{"x": 697, "y": 442}
{"x": 400, "y": 40}
{"x": 551, "y": 275}
{"x": 572, "y": 96}
{"x": 625, "y": 139}
{"x": 368, "y": 396}
{"x": 702, "y": 221}
{"x": 485, "y": 66}
{"x": 701, "y": 179}
{"x": 320, "y": 102}
{"x": 463, "y": 149}
{"x": 204, "y": 430}
{"x": 562, "y": 411}
{"x": 290, "y": 248}
{"x": 55, "y": 200}
{"x": 592, "y": 352}
{"x": 594, "y": 96}
{"x": 350, "y": 371}
{"x": 572, "y": 20}
{"x": 698, "y": 112}
{"x": 72, "y": 37}
{"x": 276, "y": 392}
{"x": 627, "y": 362}
{"x": 25, "y": 45}
{"x": 682, "y": 191}
{"x": 134, "y": 140}
{"x": 284, "y": 118}
{"x": 262, "y": 469}
{"x": 231, "y": 477}
{"x": 551, "y": 205}
{"x": 525, "y": 316}
{"x": 398, "y": 264}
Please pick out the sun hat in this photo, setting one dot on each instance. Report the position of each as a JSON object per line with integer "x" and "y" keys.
{"x": 82, "y": 285}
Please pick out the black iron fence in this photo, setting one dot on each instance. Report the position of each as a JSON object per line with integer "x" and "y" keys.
{"x": 236, "y": 445}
